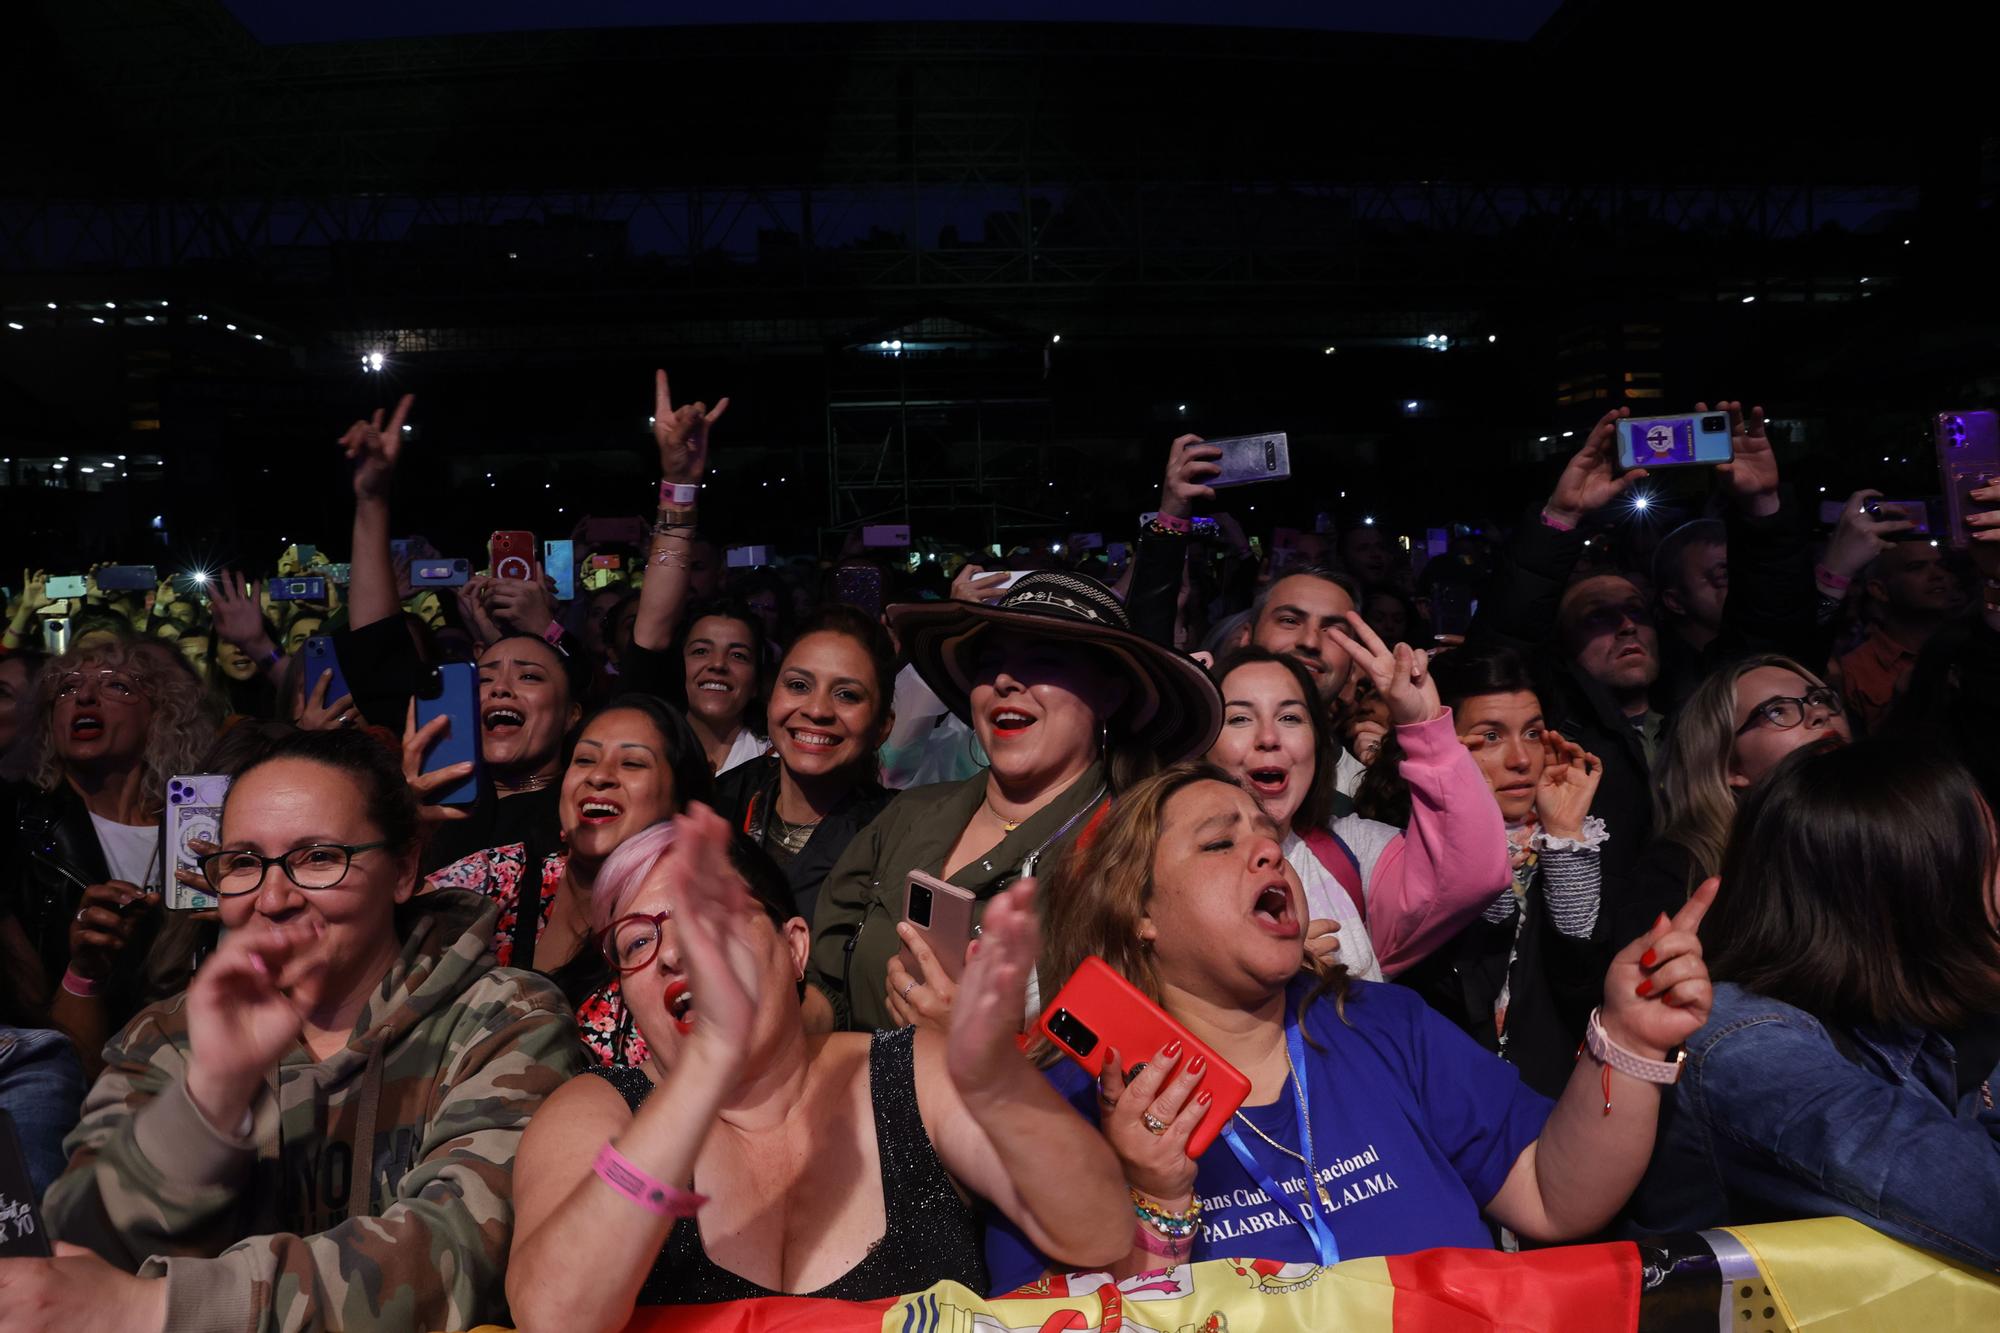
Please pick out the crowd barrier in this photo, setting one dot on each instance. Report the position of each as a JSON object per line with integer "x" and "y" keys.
{"x": 1827, "y": 1275}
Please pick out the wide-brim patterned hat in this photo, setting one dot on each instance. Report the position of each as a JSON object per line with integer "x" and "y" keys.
{"x": 1171, "y": 704}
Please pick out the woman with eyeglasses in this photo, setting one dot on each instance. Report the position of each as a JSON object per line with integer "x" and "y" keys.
{"x": 318, "y": 1133}
{"x": 1737, "y": 726}
{"x": 82, "y": 842}
{"x": 750, "y": 1157}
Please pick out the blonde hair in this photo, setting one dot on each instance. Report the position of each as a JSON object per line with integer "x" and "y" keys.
{"x": 1098, "y": 892}
{"x": 183, "y": 724}
{"x": 1695, "y": 805}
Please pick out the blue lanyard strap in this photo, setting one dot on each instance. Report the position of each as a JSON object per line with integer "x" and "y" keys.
{"x": 1315, "y": 1221}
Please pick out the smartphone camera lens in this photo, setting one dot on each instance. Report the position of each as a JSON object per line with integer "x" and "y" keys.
{"x": 920, "y": 906}
{"x": 1066, "y": 1029}
{"x": 1711, "y": 424}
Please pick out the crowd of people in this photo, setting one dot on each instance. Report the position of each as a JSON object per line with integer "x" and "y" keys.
{"x": 1581, "y": 879}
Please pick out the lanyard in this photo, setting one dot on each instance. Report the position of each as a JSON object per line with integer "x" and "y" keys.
{"x": 1315, "y": 1221}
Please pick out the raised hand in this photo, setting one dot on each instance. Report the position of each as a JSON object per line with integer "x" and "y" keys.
{"x": 1156, "y": 1162}
{"x": 682, "y": 433}
{"x": 318, "y": 713}
{"x": 1752, "y": 475}
{"x": 524, "y": 606}
{"x": 973, "y": 584}
{"x": 1190, "y": 464}
{"x": 471, "y": 598}
{"x": 1657, "y": 993}
{"x": 1591, "y": 480}
{"x": 1860, "y": 536}
{"x": 374, "y": 449}
{"x": 715, "y": 923}
{"x": 103, "y": 926}
{"x": 1569, "y": 785}
{"x": 923, "y": 998}
{"x": 34, "y": 592}
{"x": 424, "y": 786}
{"x": 232, "y": 605}
{"x": 240, "y": 1023}
{"x": 1983, "y": 529}
{"x": 1401, "y": 677}
{"x": 981, "y": 1054}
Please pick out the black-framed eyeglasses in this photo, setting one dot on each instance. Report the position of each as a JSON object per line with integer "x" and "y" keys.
{"x": 1786, "y": 711}
{"x": 320, "y": 865}
{"x": 630, "y": 943}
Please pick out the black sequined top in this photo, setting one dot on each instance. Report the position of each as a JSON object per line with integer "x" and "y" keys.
{"x": 931, "y": 1235}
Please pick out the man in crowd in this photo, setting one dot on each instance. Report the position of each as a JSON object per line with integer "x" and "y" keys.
{"x": 1908, "y": 595}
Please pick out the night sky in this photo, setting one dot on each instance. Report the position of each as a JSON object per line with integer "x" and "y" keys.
{"x": 277, "y": 21}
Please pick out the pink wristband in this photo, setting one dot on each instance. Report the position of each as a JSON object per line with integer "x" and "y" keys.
{"x": 678, "y": 495}
{"x": 1832, "y": 580}
{"x": 655, "y": 1196}
{"x": 77, "y": 984}
{"x": 1173, "y": 524}
{"x": 553, "y": 634}
{"x": 1556, "y": 523}
{"x": 1153, "y": 1243}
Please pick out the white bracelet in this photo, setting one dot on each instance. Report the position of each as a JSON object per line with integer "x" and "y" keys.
{"x": 1594, "y": 836}
{"x": 1613, "y": 1056}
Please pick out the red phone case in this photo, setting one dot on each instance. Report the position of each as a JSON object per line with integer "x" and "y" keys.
{"x": 512, "y": 555}
{"x": 1123, "y": 1017}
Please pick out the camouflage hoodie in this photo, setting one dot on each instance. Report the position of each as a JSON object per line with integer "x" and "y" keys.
{"x": 288, "y": 1228}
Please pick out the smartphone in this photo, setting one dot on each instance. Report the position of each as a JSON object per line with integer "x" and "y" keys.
{"x": 194, "y": 814}
{"x": 311, "y": 588}
{"x": 55, "y": 635}
{"x": 307, "y": 554}
{"x": 1250, "y": 458}
{"x": 399, "y": 549}
{"x": 1452, "y": 607}
{"x": 1700, "y": 438}
{"x": 191, "y": 585}
{"x": 1097, "y": 1008}
{"x": 66, "y": 585}
{"x": 453, "y": 691}
{"x": 127, "y": 578}
{"x": 511, "y": 554}
{"x": 440, "y": 573}
{"x": 341, "y": 573}
{"x": 21, "y": 1234}
{"x": 892, "y": 535}
{"x": 747, "y": 557}
{"x": 559, "y": 559}
{"x": 321, "y": 658}
{"x": 859, "y": 586}
{"x": 1968, "y": 450}
{"x": 943, "y": 912}
{"x": 607, "y": 562}
{"x": 1086, "y": 541}
{"x": 1205, "y": 529}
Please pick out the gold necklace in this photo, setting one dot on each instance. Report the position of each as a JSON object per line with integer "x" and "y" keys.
{"x": 1004, "y": 825}
{"x": 1325, "y": 1199}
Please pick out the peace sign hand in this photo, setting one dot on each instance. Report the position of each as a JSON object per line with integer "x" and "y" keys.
{"x": 1402, "y": 677}
{"x": 374, "y": 448}
{"x": 682, "y": 434}
{"x": 1657, "y": 993}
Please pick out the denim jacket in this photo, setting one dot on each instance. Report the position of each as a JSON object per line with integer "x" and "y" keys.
{"x": 1771, "y": 1121}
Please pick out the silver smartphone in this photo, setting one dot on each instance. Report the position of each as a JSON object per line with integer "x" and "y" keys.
{"x": 1252, "y": 458}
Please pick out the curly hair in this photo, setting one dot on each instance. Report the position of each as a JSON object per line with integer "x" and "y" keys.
{"x": 183, "y": 724}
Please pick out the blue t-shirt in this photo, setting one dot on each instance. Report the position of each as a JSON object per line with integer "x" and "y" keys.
{"x": 1415, "y": 1127}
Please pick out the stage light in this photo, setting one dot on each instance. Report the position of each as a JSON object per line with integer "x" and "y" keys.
{"x": 87, "y": 469}
{"x": 1748, "y": 299}
{"x": 52, "y": 305}
{"x": 149, "y": 319}
{"x": 12, "y": 325}
{"x": 1329, "y": 350}
{"x": 97, "y": 319}
{"x": 375, "y": 359}
{"x": 896, "y": 344}
{"x": 1568, "y": 433}
{"x": 1542, "y": 440}
{"x": 408, "y": 429}
{"x": 230, "y": 327}
{"x": 1864, "y": 280}
{"x": 1054, "y": 338}
{"x": 110, "y": 305}
{"x": 258, "y": 336}
{"x": 1493, "y": 337}
{"x": 1368, "y": 520}
{"x": 1183, "y": 409}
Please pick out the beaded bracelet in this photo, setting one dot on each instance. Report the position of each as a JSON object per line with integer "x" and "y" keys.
{"x": 1174, "y": 1226}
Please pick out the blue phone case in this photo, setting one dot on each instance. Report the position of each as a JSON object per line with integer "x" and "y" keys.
{"x": 320, "y": 657}
{"x": 559, "y": 562}
{"x": 1699, "y": 438}
{"x": 454, "y": 693}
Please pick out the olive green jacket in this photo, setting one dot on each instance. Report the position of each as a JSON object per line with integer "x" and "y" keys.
{"x": 854, "y": 928}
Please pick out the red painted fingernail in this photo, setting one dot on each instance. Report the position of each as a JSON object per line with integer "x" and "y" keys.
{"x": 1645, "y": 987}
{"x": 1203, "y": 1098}
{"x": 1648, "y": 958}
{"x": 1173, "y": 1051}
{"x": 1197, "y": 1065}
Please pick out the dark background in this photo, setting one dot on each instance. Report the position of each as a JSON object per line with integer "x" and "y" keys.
{"x": 526, "y": 220}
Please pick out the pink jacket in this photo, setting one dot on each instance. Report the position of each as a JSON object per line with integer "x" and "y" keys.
{"x": 1425, "y": 884}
